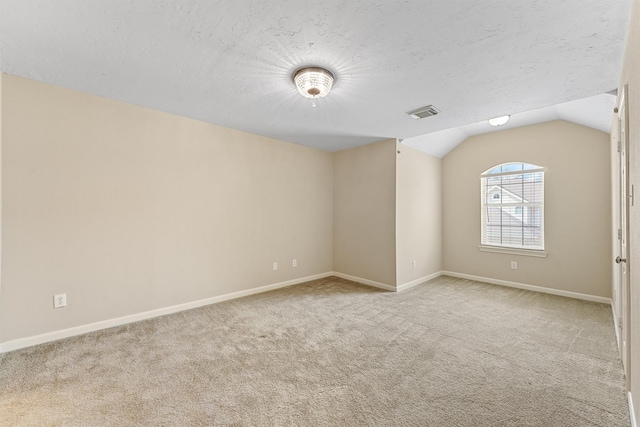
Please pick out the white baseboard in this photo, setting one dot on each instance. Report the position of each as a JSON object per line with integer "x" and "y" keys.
{"x": 92, "y": 327}
{"x": 386, "y": 287}
{"x": 616, "y": 327}
{"x": 632, "y": 413}
{"x": 534, "y": 288}
{"x": 365, "y": 281}
{"x": 413, "y": 283}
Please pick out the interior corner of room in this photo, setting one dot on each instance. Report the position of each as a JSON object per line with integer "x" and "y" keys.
{"x": 134, "y": 213}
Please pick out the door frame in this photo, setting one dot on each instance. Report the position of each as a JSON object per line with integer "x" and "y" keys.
{"x": 623, "y": 196}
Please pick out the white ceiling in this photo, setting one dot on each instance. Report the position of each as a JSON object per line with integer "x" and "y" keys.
{"x": 230, "y": 62}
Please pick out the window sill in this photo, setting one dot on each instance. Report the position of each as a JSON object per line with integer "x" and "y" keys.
{"x": 514, "y": 251}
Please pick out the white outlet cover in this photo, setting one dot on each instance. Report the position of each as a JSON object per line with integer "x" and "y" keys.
{"x": 275, "y": 266}
{"x": 59, "y": 300}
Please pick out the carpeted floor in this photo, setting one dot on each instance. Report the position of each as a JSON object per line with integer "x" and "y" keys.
{"x": 450, "y": 352}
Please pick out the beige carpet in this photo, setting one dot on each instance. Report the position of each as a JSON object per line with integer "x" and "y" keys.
{"x": 449, "y": 352}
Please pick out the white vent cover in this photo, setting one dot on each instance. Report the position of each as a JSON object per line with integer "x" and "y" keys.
{"x": 423, "y": 112}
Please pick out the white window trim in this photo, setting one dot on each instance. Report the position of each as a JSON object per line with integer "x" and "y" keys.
{"x": 540, "y": 253}
{"x": 524, "y": 171}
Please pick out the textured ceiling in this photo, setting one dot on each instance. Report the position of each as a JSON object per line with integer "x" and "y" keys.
{"x": 230, "y": 62}
{"x": 595, "y": 112}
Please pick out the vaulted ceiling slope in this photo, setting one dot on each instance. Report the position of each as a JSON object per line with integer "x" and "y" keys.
{"x": 230, "y": 63}
{"x": 595, "y": 112}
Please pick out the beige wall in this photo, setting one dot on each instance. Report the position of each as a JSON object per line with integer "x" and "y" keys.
{"x": 577, "y": 210}
{"x": 364, "y": 212}
{"x": 631, "y": 76}
{"x": 127, "y": 209}
{"x": 418, "y": 215}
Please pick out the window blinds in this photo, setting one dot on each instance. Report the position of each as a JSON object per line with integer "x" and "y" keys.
{"x": 513, "y": 206}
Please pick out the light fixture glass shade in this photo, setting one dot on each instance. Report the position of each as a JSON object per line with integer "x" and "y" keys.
{"x": 499, "y": 121}
{"x": 313, "y": 82}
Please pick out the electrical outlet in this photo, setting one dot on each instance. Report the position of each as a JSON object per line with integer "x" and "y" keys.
{"x": 413, "y": 263}
{"x": 514, "y": 265}
{"x": 275, "y": 266}
{"x": 59, "y": 300}
{"x": 294, "y": 263}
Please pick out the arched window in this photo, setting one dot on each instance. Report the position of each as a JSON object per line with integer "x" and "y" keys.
{"x": 512, "y": 197}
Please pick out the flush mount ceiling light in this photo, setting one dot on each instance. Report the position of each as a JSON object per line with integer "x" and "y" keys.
{"x": 313, "y": 82}
{"x": 499, "y": 121}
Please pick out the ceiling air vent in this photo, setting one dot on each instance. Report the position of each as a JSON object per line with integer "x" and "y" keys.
{"x": 423, "y": 112}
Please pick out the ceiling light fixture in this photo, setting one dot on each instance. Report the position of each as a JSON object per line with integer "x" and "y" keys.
{"x": 499, "y": 121}
{"x": 313, "y": 82}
